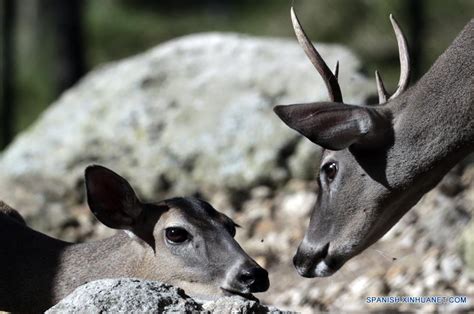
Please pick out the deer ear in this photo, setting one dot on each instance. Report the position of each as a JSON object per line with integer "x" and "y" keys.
{"x": 111, "y": 198}
{"x": 334, "y": 126}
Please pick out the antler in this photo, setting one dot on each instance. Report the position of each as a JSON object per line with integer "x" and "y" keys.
{"x": 380, "y": 88}
{"x": 329, "y": 78}
{"x": 404, "y": 66}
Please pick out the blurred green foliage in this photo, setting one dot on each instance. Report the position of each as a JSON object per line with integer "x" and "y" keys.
{"x": 114, "y": 29}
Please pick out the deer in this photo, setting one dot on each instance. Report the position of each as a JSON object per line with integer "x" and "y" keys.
{"x": 181, "y": 241}
{"x": 379, "y": 160}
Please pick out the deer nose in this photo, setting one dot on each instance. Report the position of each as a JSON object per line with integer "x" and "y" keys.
{"x": 307, "y": 257}
{"x": 253, "y": 279}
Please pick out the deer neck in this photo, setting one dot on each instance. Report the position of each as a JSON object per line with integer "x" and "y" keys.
{"x": 434, "y": 120}
{"x": 114, "y": 257}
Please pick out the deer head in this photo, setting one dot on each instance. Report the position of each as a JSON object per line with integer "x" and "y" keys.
{"x": 376, "y": 160}
{"x": 184, "y": 241}
{"x": 179, "y": 241}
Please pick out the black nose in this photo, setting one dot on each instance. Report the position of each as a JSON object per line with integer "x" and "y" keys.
{"x": 306, "y": 259}
{"x": 254, "y": 278}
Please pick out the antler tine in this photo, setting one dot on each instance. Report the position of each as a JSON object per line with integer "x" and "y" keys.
{"x": 380, "y": 88}
{"x": 336, "y": 70}
{"x": 404, "y": 58}
{"x": 329, "y": 79}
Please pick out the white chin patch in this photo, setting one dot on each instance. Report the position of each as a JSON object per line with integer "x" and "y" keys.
{"x": 130, "y": 234}
{"x": 322, "y": 270}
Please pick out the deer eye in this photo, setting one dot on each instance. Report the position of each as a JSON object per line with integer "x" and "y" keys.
{"x": 176, "y": 235}
{"x": 330, "y": 170}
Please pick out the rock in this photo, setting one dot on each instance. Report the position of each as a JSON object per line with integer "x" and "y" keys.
{"x": 364, "y": 286}
{"x": 191, "y": 115}
{"x": 294, "y": 297}
{"x": 298, "y": 205}
{"x": 407, "y": 238}
{"x": 432, "y": 281}
{"x": 331, "y": 293}
{"x": 397, "y": 277}
{"x": 261, "y": 192}
{"x": 431, "y": 262}
{"x": 457, "y": 307}
{"x": 236, "y": 304}
{"x": 304, "y": 163}
{"x": 359, "y": 286}
{"x": 416, "y": 289}
{"x": 443, "y": 217}
{"x": 468, "y": 248}
{"x": 125, "y": 296}
{"x": 451, "y": 266}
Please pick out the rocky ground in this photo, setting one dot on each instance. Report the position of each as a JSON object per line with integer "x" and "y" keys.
{"x": 194, "y": 117}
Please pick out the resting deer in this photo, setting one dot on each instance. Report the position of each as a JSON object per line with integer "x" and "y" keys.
{"x": 380, "y": 160}
{"x": 180, "y": 241}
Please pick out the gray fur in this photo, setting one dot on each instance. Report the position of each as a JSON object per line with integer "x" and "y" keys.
{"x": 36, "y": 271}
{"x": 430, "y": 129}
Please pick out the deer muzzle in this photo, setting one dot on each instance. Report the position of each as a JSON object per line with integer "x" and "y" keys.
{"x": 246, "y": 278}
{"x": 316, "y": 260}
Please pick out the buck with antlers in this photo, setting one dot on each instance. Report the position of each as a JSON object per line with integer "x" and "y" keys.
{"x": 380, "y": 160}
{"x": 180, "y": 241}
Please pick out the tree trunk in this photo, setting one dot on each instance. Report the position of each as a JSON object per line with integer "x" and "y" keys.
{"x": 7, "y": 64}
{"x": 67, "y": 26}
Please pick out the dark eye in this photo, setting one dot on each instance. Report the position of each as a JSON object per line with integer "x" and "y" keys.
{"x": 330, "y": 170}
{"x": 176, "y": 235}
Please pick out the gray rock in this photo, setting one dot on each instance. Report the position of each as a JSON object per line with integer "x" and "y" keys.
{"x": 142, "y": 296}
{"x": 125, "y": 296}
{"x": 468, "y": 248}
{"x": 304, "y": 162}
{"x": 298, "y": 204}
{"x": 193, "y": 114}
{"x": 236, "y": 304}
{"x": 451, "y": 266}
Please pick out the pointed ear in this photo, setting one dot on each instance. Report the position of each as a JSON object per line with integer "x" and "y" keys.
{"x": 334, "y": 126}
{"x": 111, "y": 198}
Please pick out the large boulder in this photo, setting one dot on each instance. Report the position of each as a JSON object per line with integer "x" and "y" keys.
{"x": 127, "y": 295}
{"x": 191, "y": 115}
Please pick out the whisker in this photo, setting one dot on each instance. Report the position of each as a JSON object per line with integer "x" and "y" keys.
{"x": 386, "y": 255}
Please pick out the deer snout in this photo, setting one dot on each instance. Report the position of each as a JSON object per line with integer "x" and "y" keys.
{"x": 248, "y": 278}
{"x": 312, "y": 260}
{"x": 254, "y": 278}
